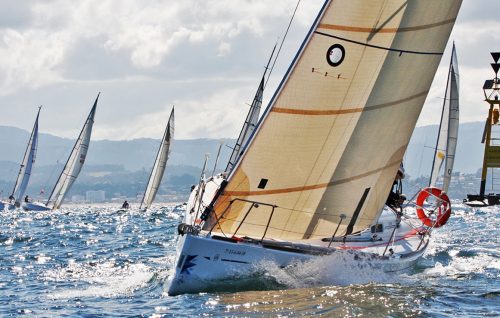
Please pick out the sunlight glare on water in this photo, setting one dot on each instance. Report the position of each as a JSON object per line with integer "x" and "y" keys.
{"x": 98, "y": 262}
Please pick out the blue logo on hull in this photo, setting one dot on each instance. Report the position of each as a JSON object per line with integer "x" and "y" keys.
{"x": 188, "y": 264}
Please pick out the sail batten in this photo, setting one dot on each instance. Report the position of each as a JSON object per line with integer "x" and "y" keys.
{"x": 160, "y": 164}
{"x": 339, "y": 122}
{"x": 74, "y": 163}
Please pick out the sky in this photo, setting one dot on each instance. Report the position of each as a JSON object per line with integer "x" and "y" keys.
{"x": 205, "y": 57}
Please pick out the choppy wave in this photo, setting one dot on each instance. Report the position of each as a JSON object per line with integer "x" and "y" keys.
{"x": 100, "y": 262}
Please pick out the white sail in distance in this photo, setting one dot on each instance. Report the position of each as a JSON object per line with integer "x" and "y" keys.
{"x": 159, "y": 165}
{"x": 448, "y": 127}
{"x": 248, "y": 126}
{"x": 74, "y": 163}
{"x": 333, "y": 137}
{"x": 250, "y": 121}
{"x": 27, "y": 163}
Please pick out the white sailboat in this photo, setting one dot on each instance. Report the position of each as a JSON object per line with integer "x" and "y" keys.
{"x": 71, "y": 169}
{"x": 446, "y": 144}
{"x": 250, "y": 123}
{"x": 160, "y": 164}
{"x": 314, "y": 177}
{"x": 24, "y": 174}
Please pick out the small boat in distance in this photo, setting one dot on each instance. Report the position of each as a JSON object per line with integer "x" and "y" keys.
{"x": 71, "y": 169}
{"x": 24, "y": 174}
{"x": 160, "y": 164}
{"x": 314, "y": 177}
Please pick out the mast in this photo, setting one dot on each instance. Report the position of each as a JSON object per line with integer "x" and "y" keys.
{"x": 160, "y": 164}
{"x": 74, "y": 163}
{"x": 27, "y": 163}
{"x": 250, "y": 121}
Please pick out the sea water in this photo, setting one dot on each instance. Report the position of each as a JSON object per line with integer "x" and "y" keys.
{"x": 90, "y": 261}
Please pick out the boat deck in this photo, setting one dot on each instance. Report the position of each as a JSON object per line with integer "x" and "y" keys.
{"x": 386, "y": 239}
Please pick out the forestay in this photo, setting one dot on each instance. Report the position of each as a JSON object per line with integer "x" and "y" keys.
{"x": 160, "y": 164}
{"x": 335, "y": 132}
{"x": 27, "y": 164}
{"x": 448, "y": 127}
{"x": 74, "y": 163}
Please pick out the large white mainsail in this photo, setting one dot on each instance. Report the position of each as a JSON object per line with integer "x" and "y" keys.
{"x": 160, "y": 164}
{"x": 334, "y": 134}
{"x": 448, "y": 127}
{"x": 74, "y": 163}
{"x": 27, "y": 164}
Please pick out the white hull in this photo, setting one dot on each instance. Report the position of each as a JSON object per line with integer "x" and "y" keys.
{"x": 205, "y": 262}
{"x": 35, "y": 206}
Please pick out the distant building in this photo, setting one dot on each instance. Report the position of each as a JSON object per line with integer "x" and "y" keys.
{"x": 77, "y": 198}
{"x": 95, "y": 196}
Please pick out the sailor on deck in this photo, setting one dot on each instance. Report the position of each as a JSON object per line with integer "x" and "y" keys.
{"x": 396, "y": 196}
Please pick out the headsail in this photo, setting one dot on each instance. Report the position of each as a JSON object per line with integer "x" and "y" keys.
{"x": 248, "y": 127}
{"x": 250, "y": 121}
{"x": 448, "y": 127}
{"x": 27, "y": 164}
{"x": 160, "y": 164}
{"x": 332, "y": 139}
{"x": 74, "y": 163}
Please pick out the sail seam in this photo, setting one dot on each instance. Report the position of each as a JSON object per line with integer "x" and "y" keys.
{"x": 310, "y": 187}
{"x": 344, "y": 111}
{"x": 400, "y": 51}
{"x": 384, "y": 30}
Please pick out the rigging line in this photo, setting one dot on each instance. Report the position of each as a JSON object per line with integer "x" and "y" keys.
{"x": 235, "y": 219}
{"x": 310, "y": 234}
{"x": 282, "y": 41}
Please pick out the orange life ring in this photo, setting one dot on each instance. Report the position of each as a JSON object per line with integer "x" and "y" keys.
{"x": 442, "y": 209}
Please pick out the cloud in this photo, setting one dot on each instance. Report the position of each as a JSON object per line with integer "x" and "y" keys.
{"x": 206, "y": 57}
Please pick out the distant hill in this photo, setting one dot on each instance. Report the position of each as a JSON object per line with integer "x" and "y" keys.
{"x": 123, "y": 166}
{"x": 118, "y": 167}
{"x": 469, "y": 156}
{"x": 133, "y": 154}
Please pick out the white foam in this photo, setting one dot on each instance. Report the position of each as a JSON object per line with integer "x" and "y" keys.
{"x": 335, "y": 269}
{"x": 463, "y": 266}
{"x": 106, "y": 280}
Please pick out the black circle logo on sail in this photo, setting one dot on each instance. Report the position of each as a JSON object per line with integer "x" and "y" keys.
{"x": 335, "y": 55}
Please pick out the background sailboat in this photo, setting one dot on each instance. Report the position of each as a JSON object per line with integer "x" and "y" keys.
{"x": 250, "y": 121}
{"x": 446, "y": 144}
{"x": 160, "y": 164}
{"x": 71, "y": 169}
{"x": 24, "y": 174}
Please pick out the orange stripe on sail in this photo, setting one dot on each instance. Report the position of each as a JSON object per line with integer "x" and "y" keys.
{"x": 383, "y": 30}
{"x": 316, "y": 112}
{"x": 313, "y": 112}
{"x": 309, "y": 187}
